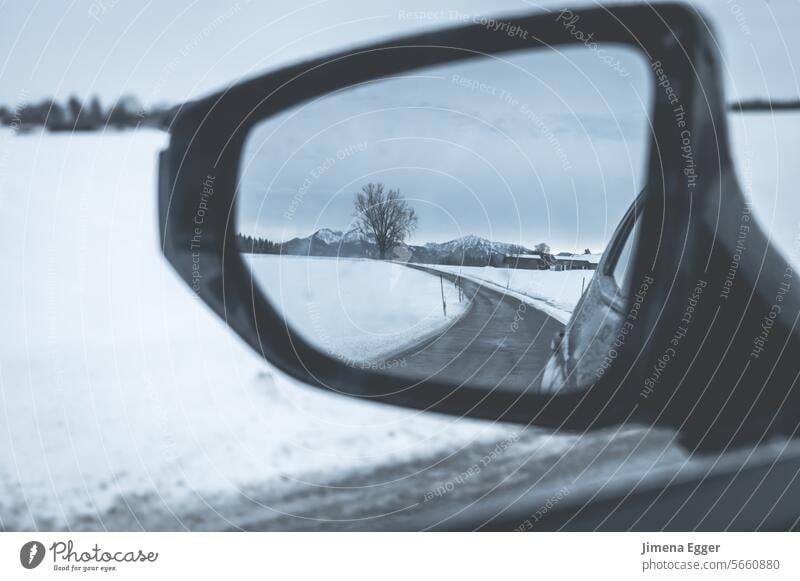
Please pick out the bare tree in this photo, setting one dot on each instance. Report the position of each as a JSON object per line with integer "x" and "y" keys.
{"x": 384, "y": 215}
{"x": 542, "y": 248}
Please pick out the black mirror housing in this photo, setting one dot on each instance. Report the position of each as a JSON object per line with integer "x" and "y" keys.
{"x": 711, "y": 386}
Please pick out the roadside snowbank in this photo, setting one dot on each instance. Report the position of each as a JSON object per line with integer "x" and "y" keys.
{"x": 555, "y": 293}
{"x": 356, "y": 309}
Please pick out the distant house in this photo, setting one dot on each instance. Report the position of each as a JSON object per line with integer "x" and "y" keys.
{"x": 536, "y": 261}
{"x": 576, "y": 261}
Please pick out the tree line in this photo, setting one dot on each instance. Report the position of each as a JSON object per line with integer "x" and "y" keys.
{"x": 256, "y": 245}
{"x": 90, "y": 115}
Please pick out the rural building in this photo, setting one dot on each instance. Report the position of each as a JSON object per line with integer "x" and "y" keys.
{"x": 576, "y": 261}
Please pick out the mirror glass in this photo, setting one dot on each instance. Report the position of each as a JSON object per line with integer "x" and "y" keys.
{"x": 444, "y": 223}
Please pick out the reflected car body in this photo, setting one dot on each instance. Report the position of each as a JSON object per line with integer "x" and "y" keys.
{"x": 600, "y": 324}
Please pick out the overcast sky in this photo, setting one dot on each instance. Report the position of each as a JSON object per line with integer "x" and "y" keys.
{"x": 532, "y": 146}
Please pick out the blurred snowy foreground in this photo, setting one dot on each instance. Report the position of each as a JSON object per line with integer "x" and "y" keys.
{"x": 126, "y": 405}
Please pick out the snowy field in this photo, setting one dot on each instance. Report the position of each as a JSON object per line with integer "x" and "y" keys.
{"x": 555, "y": 293}
{"x": 125, "y": 404}
{"x": 356, "y": 309}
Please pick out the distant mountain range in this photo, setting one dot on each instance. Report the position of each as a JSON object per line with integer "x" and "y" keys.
{"x": 327, "y": 242}
{"x": 469, "y": 250}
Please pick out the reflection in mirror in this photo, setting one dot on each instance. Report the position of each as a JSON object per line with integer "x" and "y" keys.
{"x": 444, "y": 223}
{"x": 622, "y": 269}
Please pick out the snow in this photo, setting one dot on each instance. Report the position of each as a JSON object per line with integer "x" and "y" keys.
{"x": 593, "y": 258}
{"x": 471, "y": 242}
{"x": 553, "y": 292}
{"x": 356, "y": 309}
{"x": 125, "y": 404}
{"x": 328, "y": 236}
{"x": 524, "y": 256}
{"x": 352, "y": 236}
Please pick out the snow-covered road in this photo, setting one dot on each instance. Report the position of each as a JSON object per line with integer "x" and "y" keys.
{"x": 554, "y": 293}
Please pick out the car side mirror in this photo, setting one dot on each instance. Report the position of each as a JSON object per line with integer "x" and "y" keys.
{"x": 280, "y": 193}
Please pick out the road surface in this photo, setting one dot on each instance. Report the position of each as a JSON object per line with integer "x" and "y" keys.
{"x": 499, "y": 342}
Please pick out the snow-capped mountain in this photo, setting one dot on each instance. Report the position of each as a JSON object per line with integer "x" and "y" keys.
{"x": 475, "y": 248}
{"x": 327, "y": 242}
{"x": 328, "y": 236}
{"x": 468, "y": 250}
